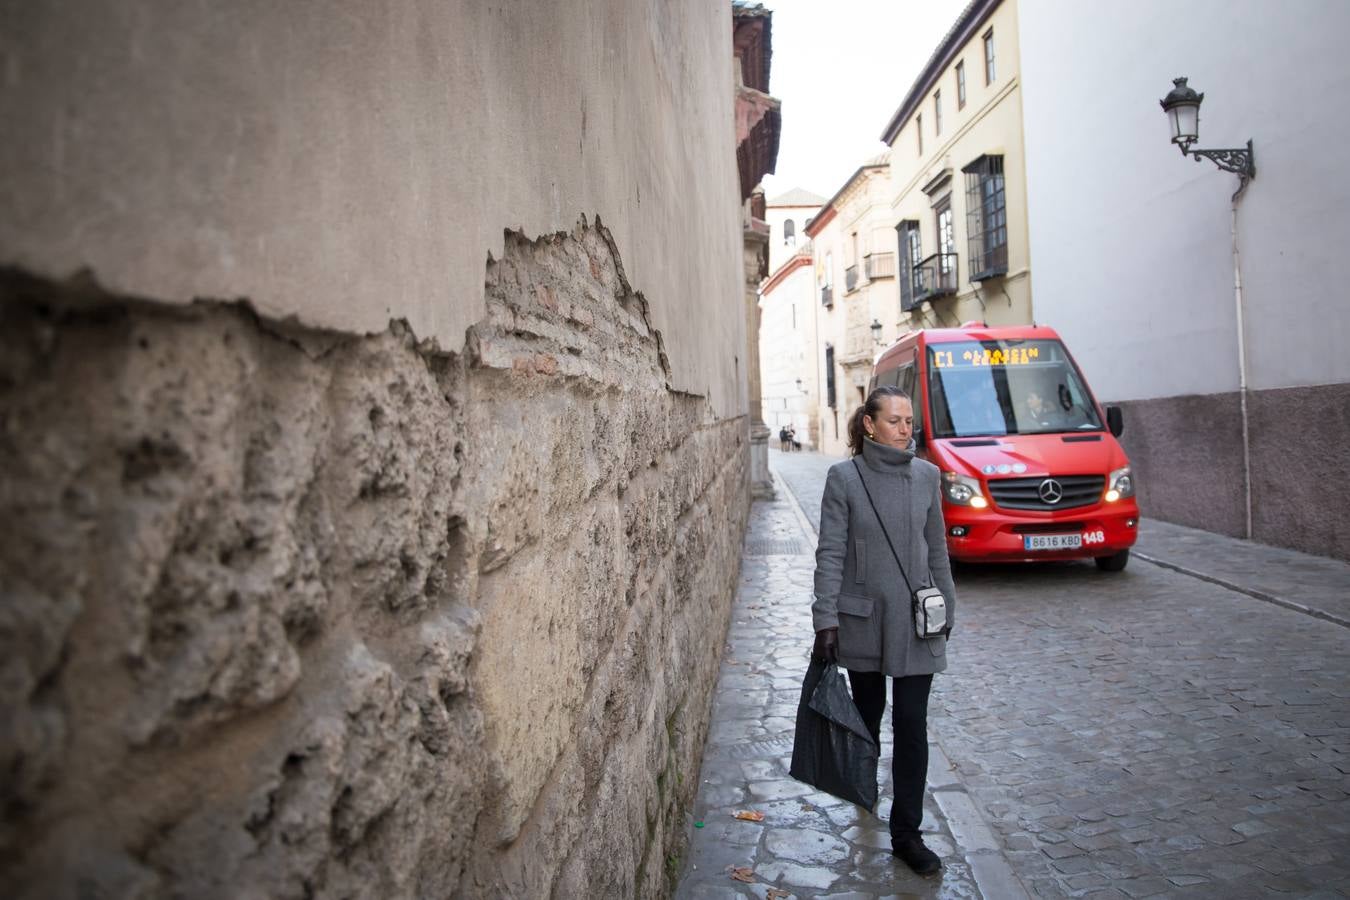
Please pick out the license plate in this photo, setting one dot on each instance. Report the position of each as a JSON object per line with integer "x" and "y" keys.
{"x": 1052, "y": 541}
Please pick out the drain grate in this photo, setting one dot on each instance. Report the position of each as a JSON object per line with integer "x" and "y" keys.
{"x": 776, "y": 548}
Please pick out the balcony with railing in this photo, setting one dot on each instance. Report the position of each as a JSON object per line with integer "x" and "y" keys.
{"x": 989, "y": 261}
{"x": 826, "y": 295}
{"x": 935, "y": 276}
{"x": 879, "y": 265}
{"x": 851, "y": 278}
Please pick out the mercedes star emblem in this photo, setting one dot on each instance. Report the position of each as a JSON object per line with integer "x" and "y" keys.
{"x": 1051, "y": 491}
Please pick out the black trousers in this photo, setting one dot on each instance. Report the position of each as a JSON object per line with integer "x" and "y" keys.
{"x": 909, "y": 764}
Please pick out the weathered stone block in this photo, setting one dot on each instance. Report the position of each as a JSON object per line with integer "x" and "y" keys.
{"x": 289, "y": 613}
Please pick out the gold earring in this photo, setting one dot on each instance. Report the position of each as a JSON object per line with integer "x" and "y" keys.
{"x": 871, "y": 434}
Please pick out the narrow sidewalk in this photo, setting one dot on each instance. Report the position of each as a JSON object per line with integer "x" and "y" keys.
{"x": 809, "y": 844}
{"x": 1313, "y": 585}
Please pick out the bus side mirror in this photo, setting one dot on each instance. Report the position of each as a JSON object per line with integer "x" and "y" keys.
{"x": 918, "y": 434}
{"x": 1114, "y": 420}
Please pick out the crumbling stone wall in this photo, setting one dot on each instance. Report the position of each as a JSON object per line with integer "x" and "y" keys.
{"x": 290, "y": 613}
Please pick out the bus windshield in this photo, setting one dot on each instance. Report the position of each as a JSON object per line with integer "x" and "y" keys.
{"x": 1006, "y": 387}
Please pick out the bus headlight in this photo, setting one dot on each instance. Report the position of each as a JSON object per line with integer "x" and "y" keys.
{"x": 1120, "y": 483}
{"x": 962, "y": 490}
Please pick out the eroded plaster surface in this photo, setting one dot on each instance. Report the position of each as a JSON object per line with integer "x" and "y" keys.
{"x": 291, "y": 612}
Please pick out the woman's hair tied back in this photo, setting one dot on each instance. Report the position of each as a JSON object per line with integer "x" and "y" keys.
{"x": 870, "y": 407}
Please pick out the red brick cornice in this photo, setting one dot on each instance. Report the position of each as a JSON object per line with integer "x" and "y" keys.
{"x": 786, "y": 269}
{"x": 823, "y": 219}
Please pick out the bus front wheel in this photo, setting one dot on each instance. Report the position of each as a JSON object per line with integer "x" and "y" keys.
{"x": 1113, "y": 563}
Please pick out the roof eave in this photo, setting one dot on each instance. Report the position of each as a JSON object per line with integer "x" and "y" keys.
{"x": 797, "y": 261}
{"x": 972, "y": 17}
{"x": 820, "y": 221}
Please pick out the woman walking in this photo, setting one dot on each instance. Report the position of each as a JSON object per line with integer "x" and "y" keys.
{"x": 881, "y": 509}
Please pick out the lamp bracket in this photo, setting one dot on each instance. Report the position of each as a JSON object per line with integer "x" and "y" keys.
{"x": 1239, "y": 161}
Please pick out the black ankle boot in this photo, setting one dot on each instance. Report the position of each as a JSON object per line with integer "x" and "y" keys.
{"x": 913, "y": 853}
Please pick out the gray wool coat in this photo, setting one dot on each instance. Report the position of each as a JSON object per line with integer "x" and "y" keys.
{"x": 858, "y": 585}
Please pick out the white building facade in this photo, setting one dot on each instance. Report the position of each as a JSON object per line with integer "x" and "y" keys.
{"x": 1172, "y": 295}
{"x": 788, "y": 214}
{"x": 787, "y": 329}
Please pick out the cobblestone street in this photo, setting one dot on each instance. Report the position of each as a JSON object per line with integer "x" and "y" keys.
{"x": 1148, "y": 733}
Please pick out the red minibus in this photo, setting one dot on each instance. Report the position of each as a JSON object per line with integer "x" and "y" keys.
{"x": 1031, "y": 468}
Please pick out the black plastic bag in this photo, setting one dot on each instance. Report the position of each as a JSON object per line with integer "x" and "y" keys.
{"x": 833, "y": 751}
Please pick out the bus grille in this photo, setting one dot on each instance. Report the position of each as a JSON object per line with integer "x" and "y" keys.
{"x": 1025, "y": 493}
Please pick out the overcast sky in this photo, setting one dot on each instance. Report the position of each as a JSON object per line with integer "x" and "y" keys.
{"x": 841, "y": 68}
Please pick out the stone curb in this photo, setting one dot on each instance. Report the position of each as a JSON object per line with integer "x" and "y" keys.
{"x": 993, "y": 874}
{"x": 1250, "y": 592}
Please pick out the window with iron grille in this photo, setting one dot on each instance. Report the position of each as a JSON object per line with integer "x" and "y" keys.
{"x": 829, "y": 376}
{"x": 986, "y": 218}
{"x": 911, "y": 254}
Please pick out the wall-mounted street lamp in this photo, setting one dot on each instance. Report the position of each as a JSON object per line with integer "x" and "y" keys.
{"x": 1182, "y": 106}
{"x": 876, "y": 333}
{"x": 800, "y": 388}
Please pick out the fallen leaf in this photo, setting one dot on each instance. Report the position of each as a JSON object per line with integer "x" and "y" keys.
{"x": 743, "y": 874}
{"x": 748, "y": 815}
{"x": 776, "y": 894}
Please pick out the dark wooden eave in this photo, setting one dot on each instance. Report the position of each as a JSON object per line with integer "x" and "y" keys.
{"x": 974, "y": 16}
{"x": 752, "y": 42}
{"x": 757, "y": 151}
{"x": 759, "y": 120}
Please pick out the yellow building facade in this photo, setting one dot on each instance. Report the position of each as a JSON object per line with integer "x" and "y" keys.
{"x": 957, "y": 172}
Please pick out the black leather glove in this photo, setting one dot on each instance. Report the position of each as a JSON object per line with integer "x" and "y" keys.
{"x": 827, "y": 646}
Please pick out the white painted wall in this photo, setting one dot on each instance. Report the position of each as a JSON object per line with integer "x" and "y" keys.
{"x": 776, "y": 216}
{"x": 787, "y": 340}
{"x": 1131, "y": 243}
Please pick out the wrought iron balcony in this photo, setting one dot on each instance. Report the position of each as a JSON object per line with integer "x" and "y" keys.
{"x": 879, "y": 265}
{"x": 826, "y": 295}
{"x": 935, "y": 276}
{"x": 851, "y": 278}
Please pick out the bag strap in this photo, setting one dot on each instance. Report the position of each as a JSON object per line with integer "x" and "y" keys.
{"x": 883, "y": 526}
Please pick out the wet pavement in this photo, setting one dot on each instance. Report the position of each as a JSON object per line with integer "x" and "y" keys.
{"x": 810, "y": 844}
{"x": 1180, "y": 728}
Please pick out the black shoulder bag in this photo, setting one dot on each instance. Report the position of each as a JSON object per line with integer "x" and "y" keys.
{"x": 927, "y": 603}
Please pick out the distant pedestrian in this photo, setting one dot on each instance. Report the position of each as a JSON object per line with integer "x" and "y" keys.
{"x": 783, "y": 439}
{"x": 793, "y": 443}
{"x": 862, "y": 610}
